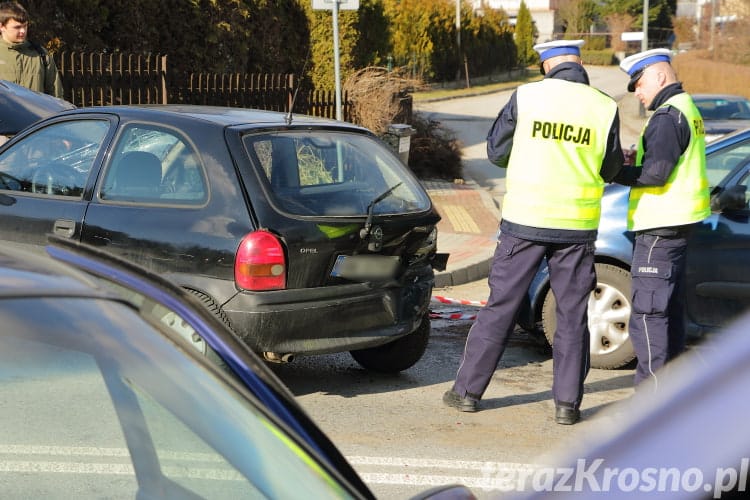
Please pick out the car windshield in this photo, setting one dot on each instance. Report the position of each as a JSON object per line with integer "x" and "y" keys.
{"x": 99, "y": 402}
{"x": 325, "y": 173}
{"x": 53, "y": 160}
{"x": 722, "y": 108}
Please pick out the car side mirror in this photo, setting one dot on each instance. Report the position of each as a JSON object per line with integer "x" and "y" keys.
{"x": 731, "y": 198}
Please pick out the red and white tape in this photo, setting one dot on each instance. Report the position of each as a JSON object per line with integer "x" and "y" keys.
{"x": 460, "y": 302}
{"x": 454, "y": 316}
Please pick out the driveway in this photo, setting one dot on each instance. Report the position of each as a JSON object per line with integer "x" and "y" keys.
{"x": 470, "y": 119}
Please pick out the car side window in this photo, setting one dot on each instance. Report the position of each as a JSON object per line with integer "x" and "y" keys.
{"x": 720, "y": 163}
{"x": 154, "y": 165}
{"x": 55, "y": 160}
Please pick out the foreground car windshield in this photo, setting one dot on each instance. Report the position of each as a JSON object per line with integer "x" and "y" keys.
{"x": 99, "y": 403}
{"x": 324, "y": 173}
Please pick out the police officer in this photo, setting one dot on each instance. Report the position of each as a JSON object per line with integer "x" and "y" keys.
{"x": 669, "y": 195}
{"x": 22, "y": 61}
{"x": 559, "y": 140}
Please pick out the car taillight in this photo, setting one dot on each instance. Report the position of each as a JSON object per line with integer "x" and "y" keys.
{"x": 260, "y": 263}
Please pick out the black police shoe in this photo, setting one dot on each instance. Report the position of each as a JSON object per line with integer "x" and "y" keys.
{"x": 452, "y": 399}
{"x": 567, "y": 416}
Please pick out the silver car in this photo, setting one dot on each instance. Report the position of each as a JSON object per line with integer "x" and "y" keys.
{"x": 722, "y": 113}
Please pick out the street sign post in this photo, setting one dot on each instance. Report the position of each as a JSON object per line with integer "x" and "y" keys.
{"x": 329, "y": 4}
{"x": 335, "y": 6}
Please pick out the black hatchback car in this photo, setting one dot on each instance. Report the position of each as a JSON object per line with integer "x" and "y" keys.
{"x": 303, "y": 235}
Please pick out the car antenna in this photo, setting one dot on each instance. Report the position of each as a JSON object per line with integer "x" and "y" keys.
{"x": 296, "y": 91}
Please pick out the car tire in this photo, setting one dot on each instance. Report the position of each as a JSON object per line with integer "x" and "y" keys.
{"x": 219, "y": 313}
{"x": 609, "y": 312}
{"x": 398, "y": 355}
{"x": 212, "y": 306}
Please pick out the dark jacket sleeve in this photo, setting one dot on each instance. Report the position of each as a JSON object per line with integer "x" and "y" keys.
{"x": 613, "y": 157}
{"x": 500, "y": 136}
{"x": 52, "y": 81}
{"x": 665, "y": 139}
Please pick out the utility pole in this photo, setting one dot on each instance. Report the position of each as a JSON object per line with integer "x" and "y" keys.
{"x": 644, "y": 47}
{"x": 644, "y": 41}
{"x": 458, "y": 40}
{"x": 335, "y": 6}
{"x": 712, "y": 28}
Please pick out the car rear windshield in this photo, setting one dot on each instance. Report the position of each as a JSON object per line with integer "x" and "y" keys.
{"x": 330, "y": 173}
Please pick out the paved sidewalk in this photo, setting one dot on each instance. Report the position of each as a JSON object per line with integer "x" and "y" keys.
{"x": 467, "y": 230}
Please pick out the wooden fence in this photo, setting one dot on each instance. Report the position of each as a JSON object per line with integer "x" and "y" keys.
{"x": 99, "y": 79}
{"x": 261, "y": 91}
{"x": 323, "y": 103}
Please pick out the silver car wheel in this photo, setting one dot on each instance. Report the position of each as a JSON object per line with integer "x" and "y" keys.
{"x": 609, "y": 311}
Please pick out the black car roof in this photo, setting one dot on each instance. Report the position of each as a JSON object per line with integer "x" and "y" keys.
{"x": 224, "y": 116}
{"x": 20, "y": 107}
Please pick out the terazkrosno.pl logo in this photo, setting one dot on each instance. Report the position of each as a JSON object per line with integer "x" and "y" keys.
{"x": 594, "y": 476}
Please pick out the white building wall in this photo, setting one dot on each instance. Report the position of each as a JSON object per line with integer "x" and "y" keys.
{"x": 687, "y": 8}
{"x": 514, "y": 5}
{"x": 543, "y": 12}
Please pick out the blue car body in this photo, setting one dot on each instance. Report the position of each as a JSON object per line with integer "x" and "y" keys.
{"x": 717, "y": 273}
{"x": 104, "y": 360}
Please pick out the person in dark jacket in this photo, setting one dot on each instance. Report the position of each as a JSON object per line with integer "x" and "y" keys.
{"x": 22, "y": 61}
{"x": 669, "y": 195}
{"x": 559, "y": 140}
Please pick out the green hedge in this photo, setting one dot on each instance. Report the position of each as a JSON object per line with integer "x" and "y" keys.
{"x": 283, "y": 36}
{"x": 599, "y": 57}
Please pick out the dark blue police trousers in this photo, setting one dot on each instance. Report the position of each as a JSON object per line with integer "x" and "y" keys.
{"x": 657, "y": 320}
{"x": 572, "y": 278}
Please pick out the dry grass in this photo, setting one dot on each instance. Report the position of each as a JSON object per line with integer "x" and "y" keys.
{"x": 725, "y": 69}
{"x": 699, "y": 73}
{"x": 377, "y": 93}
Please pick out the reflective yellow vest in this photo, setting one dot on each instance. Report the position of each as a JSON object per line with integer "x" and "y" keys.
{"x": 685, "y": 197}
{"x": 559, "y": 143}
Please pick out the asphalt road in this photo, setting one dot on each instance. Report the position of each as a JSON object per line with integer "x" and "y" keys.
{"x": 402, "y": 440}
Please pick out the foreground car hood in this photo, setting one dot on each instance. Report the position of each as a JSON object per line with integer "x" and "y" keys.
{"x": 20, "y": 107}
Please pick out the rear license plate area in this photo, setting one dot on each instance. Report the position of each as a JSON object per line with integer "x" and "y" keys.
{"x": 365, "y": 267}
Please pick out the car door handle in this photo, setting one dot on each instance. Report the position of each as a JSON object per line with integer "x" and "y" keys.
{"x": 64, "y": 227}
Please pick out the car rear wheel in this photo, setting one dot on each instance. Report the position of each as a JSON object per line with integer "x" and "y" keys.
{"x": 398, "y": 355}
{"x": 609, "y": 312}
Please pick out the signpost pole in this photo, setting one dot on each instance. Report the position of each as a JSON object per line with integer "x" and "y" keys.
{"x": 335, "y": 6}
{"x": 644, "y": 47}
{"x": 336, "y": 61}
